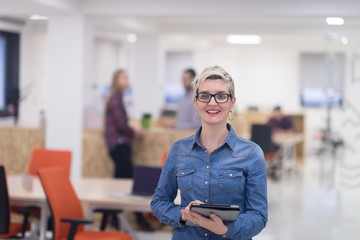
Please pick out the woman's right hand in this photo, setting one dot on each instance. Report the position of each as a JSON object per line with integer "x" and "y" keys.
{"x": 138, "y": 133}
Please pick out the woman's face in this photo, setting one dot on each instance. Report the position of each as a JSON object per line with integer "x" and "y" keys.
{"x": 123, "y": 81}
{"x": 212, "y": 112}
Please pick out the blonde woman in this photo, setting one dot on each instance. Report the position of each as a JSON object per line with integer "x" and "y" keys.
{"x": 215, "y": 167}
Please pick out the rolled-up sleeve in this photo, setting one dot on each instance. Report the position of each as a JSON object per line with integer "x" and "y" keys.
{"x": 254, "y": 217}
{"x": 162, "y": 204}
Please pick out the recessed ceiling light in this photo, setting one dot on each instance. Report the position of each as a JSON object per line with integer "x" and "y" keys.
{"x": 344, "y": 40}
{"x": 132, "y": 38}
{"x": 243, "y": 39}
{"x": 334, "y": 20}
{"x": 38, "y": 17}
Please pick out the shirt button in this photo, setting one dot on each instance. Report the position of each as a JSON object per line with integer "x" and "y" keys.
{"x": 207, "y": 166}
{"x": 205, "y": 234}
{"x": 206, "y": 182}
{"x": 230, "y": 174}
{"x": 206, "y": 200}
{"x": 182, "y": 173}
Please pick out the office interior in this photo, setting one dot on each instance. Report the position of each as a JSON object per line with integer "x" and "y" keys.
{"x": 295, "y": 58}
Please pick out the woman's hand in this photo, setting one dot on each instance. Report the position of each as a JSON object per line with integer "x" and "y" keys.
{"x": 213, "y": 224}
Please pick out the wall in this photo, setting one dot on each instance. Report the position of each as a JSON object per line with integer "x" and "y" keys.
{"x": 33, "y": 63}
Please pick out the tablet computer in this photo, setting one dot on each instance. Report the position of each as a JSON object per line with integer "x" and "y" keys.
{"x": 225, "y": 212}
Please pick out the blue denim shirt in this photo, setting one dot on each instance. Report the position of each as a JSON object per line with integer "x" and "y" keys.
{"x": 235, "y": 173}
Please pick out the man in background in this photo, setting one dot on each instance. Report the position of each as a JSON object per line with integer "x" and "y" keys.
{"x": 279, "y": 122}
{"x": 186, "y": 113}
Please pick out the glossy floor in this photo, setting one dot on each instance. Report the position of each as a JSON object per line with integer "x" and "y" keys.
{"x": 319, "y": 201}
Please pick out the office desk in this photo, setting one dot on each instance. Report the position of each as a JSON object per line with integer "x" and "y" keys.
{"x": 96, "y": 192}
{"x": 287, "y": 142}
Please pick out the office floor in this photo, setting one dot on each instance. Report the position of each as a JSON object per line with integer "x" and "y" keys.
{"x": 320, "y": 201}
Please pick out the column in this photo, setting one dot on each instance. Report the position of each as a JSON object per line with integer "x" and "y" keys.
{"x": 69, "y": 65}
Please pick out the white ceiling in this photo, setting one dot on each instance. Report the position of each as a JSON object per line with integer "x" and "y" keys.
{"x": 199, "y": 16}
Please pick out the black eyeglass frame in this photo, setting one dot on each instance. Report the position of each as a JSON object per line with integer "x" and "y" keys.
{"x": 213, "y": 96}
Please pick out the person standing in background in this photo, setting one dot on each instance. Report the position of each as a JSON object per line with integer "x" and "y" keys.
{"x": 185, "y": 114}
{"x": 118, "y": 134}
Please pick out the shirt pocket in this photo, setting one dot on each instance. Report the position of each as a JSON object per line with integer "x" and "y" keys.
{"x": 185, "y": 178}
{"x": 231, "y": 180}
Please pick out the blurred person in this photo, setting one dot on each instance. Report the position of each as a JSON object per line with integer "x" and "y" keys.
{"x": 279, "y": 122}
{"x": 185, "y": 114}
{"x": 119, "y": 135}
{"x": 214, "y": 166}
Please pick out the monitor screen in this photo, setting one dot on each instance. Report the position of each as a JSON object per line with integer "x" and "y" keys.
{"x": 316, "y": 97}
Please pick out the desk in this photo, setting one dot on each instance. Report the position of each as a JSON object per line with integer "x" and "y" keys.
{"x": 96, "y": 192}
{"x": 287, "y": 142}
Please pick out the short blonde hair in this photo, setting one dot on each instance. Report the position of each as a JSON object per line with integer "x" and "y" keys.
{"x": 214, "y": 73}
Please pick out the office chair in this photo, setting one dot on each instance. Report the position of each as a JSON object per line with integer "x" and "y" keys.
{"x": 8, "y": 229}
{"x": 66, "y": 209}
{"x": 41, "y": 158}
{"x": 261, "y": 134}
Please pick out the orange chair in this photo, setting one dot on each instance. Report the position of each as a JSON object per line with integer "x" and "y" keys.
{"x": 49, "y": 158}
{"x": 45, "y": 158}
{"x": 8, "y": 229}
{"x": 66, "y": 209}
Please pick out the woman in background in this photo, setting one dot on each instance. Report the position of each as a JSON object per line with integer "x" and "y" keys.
{"x": 118, "y": 133}
{"x": 215, "y": 167}
{"x": 119, "y": 136}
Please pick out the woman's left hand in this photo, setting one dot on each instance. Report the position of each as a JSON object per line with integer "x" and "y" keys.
{"x": 213, "y": 224}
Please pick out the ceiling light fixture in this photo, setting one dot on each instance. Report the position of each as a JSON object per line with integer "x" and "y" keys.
{"x": 38, "y": 17}
{"x": 132, "y": 38}
{"x": 344, "y": 40}
{"x": 243, "y": 39}
{"x": 334, "y": 21}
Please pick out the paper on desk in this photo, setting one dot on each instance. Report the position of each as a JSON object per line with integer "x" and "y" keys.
{"x": 130, "y": 196}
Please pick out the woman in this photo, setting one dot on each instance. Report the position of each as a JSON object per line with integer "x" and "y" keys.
{"x": 118, "y": 133}
{"x": 215, "y": 167}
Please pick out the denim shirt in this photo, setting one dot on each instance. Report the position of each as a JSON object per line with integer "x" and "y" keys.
{"x": 235, "y": 173}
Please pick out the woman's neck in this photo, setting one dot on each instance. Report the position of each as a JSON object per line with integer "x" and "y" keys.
{"x": 212, "y": 137}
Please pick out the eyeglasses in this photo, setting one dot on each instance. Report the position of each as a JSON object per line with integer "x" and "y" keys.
{"x": 206, "y": 97}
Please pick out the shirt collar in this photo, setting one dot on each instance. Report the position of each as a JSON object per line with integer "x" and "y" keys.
{"x": 230, "y": 140}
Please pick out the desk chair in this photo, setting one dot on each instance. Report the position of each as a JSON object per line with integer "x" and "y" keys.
{"x": 261, "y": 134}
{"x": 8, "y": 229}
{"x": 41, "y": 158}
{"x": 66, "y": 209}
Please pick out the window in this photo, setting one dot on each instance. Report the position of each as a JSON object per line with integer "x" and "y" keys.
{"x": 322, "y": 79}
{"x": 9, "y": 73}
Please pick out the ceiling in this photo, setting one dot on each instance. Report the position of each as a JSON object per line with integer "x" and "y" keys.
{"x": 198, "y": 16}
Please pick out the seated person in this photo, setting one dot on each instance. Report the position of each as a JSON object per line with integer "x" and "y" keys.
{"x": 279, "y": 122}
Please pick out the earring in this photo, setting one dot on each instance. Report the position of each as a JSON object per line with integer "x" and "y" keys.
{"x": 231, "y": 115}
{"x": 197, "y": 115}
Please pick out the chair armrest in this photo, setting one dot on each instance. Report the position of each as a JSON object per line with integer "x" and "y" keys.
{"x": 75, "y": 222}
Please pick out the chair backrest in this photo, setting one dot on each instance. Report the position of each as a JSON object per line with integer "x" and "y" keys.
{"x": 261, "y": 134}
{"x": 44, "y": 158}
{"x": 4, "y": 203}
{"x": 62, "y": 199}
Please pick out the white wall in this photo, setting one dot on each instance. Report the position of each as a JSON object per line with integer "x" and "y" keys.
{"x": 33, "y": 64}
